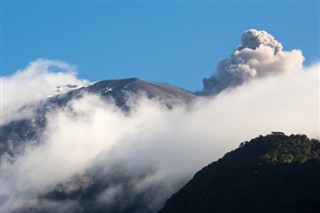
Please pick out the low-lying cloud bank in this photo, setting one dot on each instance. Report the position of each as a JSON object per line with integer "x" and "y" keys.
{"x": 139, "y": 159}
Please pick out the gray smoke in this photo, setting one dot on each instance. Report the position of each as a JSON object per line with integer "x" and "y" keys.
{"x": 258, "y": 56}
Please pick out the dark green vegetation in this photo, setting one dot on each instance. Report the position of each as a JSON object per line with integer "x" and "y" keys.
{"x": 275, "y": 173}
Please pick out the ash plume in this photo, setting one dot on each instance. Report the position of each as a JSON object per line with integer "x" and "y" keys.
{"x": 259, "y": 55}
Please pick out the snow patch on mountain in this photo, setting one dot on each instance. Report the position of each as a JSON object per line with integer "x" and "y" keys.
{"x": 62, "y": 90}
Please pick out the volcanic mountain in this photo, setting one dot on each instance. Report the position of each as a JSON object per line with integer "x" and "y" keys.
{"x": 16, "y": 133}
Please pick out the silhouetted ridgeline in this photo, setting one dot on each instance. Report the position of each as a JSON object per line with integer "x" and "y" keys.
{"x": 274, "y": 173}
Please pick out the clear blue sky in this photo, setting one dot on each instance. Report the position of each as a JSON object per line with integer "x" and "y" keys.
{"x": 175, "y": 42}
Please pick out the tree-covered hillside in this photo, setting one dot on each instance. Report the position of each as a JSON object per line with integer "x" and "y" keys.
{"x": 274, "y": 173}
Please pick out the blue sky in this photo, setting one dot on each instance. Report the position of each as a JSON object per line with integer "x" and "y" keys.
{"x": 176, "y": 42}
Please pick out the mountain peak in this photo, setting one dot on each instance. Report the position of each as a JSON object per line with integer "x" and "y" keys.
{"x": 121, "y": 89}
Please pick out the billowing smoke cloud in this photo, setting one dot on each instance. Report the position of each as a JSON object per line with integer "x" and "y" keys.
{"x": 258, "y": 56}
{"x": 95, "y": 157}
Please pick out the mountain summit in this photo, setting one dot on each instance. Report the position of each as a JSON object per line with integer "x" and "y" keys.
{"x": 121, "y": 89}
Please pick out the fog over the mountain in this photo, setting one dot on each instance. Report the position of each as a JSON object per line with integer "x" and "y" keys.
{"x": 157, "y": 148}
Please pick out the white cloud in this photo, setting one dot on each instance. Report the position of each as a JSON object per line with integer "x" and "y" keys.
{"x": 174, "y": 143}
{"x": 30, "y": 85}
{"x": 157, "y": 148}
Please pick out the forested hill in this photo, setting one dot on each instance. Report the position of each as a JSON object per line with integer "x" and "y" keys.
{"x": 273, "y": 173}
